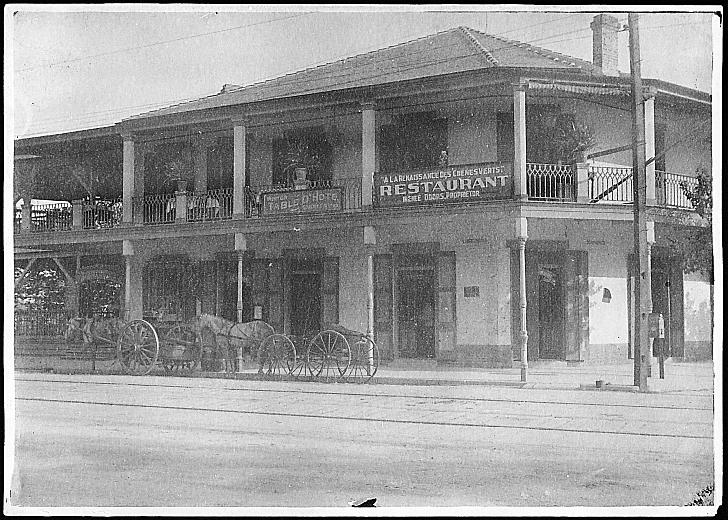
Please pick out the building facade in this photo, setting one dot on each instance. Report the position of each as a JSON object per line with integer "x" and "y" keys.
{"x": 430, "y": 192}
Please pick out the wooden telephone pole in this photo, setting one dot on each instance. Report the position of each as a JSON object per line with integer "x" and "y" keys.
{"x": 643, "y": 293}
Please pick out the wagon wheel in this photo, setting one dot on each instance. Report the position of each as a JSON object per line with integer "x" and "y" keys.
{"x": 328, "y": 355}
{"x": 249, "y": 336}
{"x": 138, "y": 347}
{"x": 278, "y": 355}
{"x": 183, "y": 335}
{"x": 364, "y": 360}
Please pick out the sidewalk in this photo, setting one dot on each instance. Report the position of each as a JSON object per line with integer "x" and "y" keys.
{"x": 679, "y": 376}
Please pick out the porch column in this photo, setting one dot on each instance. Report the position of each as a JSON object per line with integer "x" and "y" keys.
{"x": 582, "y": 183}
{"x": 649, "y": 109}
{"x": 520, "y": 187}
{"x": 522, "y": 236}
{"x": 128, "y": 181}
{"x": 368, "y": 152}
{"x": 240, "y": 247}
{"x": 180, "y": 204}
{"x": 370, "y": 240}
{"x": 131, "y": 284}
{"x": 239, "y": 152}
{"x": 25, "y": 215}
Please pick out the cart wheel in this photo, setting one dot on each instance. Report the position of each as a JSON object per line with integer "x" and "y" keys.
{"x": 328, "y": 355}
{"x": 183, "y": 335}
{"x": 278, "y": 355}
{"x": 138, "y": 347}
{"x": 364, "y": 360}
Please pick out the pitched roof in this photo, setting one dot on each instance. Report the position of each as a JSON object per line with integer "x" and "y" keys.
{"x": 456, "y": 50}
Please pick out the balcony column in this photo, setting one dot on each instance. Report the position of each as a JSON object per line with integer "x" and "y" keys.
{"x": 239, "y": 151}
{"x": 649, "y": 110}
{"x": 180, "y": 204}
{"x": 522, "y": 236}
{"x": 128, "y": 181}
{"x": 581, "y": 176}
{"x": 520, "y": 186}
{"x": 368, "y": 152}
{"x": 25, "y": 215}
{"x": 77, "y": 214}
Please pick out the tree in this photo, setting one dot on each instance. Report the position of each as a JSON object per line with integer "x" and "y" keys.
{"x": 43, "y": 288}
{"x": 696, "y": 249}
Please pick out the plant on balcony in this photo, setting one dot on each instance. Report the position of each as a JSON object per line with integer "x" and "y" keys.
{"x": 571, "y": 139}
{"x": 179, "y": 170}
{"x": 300, "y": 162}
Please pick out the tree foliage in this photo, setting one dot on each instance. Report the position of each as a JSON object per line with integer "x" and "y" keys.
{"x": 697, "y": 247}
{"x": 42, "y": 290}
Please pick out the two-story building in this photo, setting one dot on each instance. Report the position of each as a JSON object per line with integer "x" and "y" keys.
{"x": 429, "y": 191}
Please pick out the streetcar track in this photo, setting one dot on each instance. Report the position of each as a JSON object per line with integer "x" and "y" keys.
{"x": 361, "y": 394}
{"x": 364, "y": 419}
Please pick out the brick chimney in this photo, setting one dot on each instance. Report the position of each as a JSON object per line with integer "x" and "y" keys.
{"x": 605, "y": 49}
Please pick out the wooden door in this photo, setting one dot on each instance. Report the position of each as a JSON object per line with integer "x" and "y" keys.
{"x": 416, "y": 313}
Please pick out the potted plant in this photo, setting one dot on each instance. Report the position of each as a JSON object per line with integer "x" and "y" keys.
{"x": 179, "y": 170}
{"x": 572, "y": 139}
{"x": 300, "y": 163}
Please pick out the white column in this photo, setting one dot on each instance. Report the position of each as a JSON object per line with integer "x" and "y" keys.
{"x": 522, "y": 236}
{"x": 25, "y": 215}
{"x": 520, "y": 187}
{"x": 370, "y": 241}
{"x": 128, "y": 252}
{"x": 650, "y": 198}
{"x": 239, "y": 170}
{"x": 368, "y": 152}
{"x": 128, "y": 180}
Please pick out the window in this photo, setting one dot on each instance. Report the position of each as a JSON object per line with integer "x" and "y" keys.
{"x": 220, "y": 165}
{"x": 413, "y": 141}
{"x": 306, "y": 147}
{"x": 541, "y": 146}
{"x": 505, "y": 139}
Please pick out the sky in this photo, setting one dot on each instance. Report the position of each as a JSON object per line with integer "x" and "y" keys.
{"x": 74, "y": 66}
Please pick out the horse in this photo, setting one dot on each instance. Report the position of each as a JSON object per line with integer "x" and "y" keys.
{"x": 230, "y": 337}
{"x": 92, "y": 331}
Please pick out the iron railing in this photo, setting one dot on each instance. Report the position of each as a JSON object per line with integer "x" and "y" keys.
{"x": 610, "y": 184}
{"x": 40, "y": 323}
{"x": 669, "y": 189}
{"x": 212, "y": 205}
{"x": 550, "y": 182}
{"x": 51, "y": 217}
{"x": 102, "y": 214}
{"x": 158, "y": 208}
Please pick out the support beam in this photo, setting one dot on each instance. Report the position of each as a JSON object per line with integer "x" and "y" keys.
{"x": 128, "y": 181}
{"x": 69, "y": 278}
{"x": 24, "y": 273}
{"x": 370, "y": 240}
{"x": 522, "y": 236}
{"x": 368, "y": 152}
{"x": 239, "y": 152}
{"x": 520, "y": 186}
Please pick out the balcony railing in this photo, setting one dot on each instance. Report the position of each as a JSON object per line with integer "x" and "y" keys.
{"x": 51, "y": 217}
{"x": 213, "y": 205}
{"x": 610, "y": 184}
{"x": 669, "y": 189}
{"x": 40, "y": 323}
{"x": 157, "y": 208}
{"x": 102, "y": 214}
{"x": 550, "y": 182}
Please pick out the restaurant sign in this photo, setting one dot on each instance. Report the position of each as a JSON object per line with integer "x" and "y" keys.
{"x": 472, "y": 182}
{"x": 301, "y": 201}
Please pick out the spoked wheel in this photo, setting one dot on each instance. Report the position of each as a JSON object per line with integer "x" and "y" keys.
{"x": 183, "y": 336}
{"x": 364, "y": 360}
{"x": 278, "y": 355}
{"x": 328, "y": 355}
{"x": 138, "y": 347}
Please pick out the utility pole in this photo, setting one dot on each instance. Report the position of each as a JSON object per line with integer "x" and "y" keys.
{"x": 643, "y": 293}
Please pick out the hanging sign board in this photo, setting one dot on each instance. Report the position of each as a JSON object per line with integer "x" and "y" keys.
{"x": 301, "y": 201}
{"x": 466, "y": 183}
